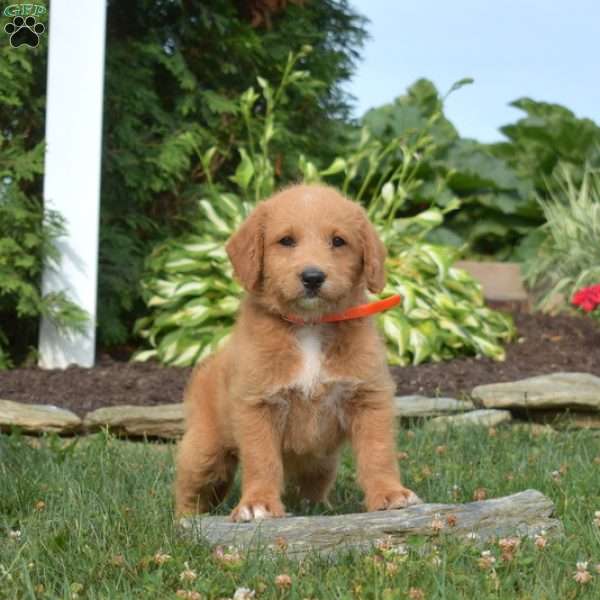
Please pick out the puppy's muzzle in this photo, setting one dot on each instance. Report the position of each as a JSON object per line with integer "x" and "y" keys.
{"x": 312, "y": 280}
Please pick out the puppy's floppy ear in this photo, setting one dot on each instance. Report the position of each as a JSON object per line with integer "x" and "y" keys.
{"x": 374, "y": 254}
{"x": 245, "y": 249}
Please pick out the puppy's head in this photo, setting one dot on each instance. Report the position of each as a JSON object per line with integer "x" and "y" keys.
{"x": 307, "y": 250}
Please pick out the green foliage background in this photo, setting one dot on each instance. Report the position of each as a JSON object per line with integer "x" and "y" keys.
{"x": 172, "y": 70}
{"x": 26, "y": 231}
{"x": 174, "y": 73}
{"x": 192, "y": 297}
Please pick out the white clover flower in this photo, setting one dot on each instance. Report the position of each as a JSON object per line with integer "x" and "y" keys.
{"x": 244, "y": 594}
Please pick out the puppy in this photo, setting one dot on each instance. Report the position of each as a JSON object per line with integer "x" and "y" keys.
{"x": 281, "y": 397}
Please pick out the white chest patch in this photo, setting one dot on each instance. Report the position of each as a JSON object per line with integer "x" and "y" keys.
{"x": 309, "y": 341}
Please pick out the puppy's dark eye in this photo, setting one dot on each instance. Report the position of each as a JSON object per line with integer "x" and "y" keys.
{"x": 337, "y": 241}
{"x": 287, "y": 240}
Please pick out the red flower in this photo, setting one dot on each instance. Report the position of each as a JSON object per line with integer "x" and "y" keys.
{"x": 587, "y": 298}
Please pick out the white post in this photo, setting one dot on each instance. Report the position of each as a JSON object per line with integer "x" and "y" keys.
{"x": 72, "y": 168}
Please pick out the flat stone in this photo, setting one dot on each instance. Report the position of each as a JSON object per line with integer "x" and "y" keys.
{"x": 37, "y": 418}
{"x": 558, "y": 390}
{"x": 422, "y": 406}
{"x": 482, "y": 417}
{"x": 164, "y": 420}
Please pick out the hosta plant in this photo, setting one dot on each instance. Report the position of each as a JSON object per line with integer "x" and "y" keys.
{"x": 443, "y": 312}
{"x": 569, "y": 257}
{"x": 189, "y": 287}
{"x": 193, "y": 299}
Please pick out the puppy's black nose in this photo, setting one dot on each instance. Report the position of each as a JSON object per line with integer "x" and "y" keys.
{"x": 312, "y": 278}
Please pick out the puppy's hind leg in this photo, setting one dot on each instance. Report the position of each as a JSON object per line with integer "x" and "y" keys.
{"x": 205, "y": 471}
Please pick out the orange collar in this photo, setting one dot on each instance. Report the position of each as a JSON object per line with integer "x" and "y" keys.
{"x": 356, "y": 312}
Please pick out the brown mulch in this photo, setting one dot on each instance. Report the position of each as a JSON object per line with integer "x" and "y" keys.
{"x": 546, "y": 344}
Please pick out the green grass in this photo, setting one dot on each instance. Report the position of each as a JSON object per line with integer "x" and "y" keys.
{"x": 107, "y": 510}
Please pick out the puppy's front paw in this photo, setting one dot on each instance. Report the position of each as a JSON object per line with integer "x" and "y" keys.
{"x": 400, "y": 497}
{"x": 251, "y": 510}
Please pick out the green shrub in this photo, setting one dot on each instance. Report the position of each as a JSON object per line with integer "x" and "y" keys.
{"x": 26, "y": 231}
{"x": 189, "y": 287}
{"x": 174, "y": 71}
{"x": 189, "y": 283}
{"x": 443, "y": 313}
{"x": 546, "y": 139}
{"x": 569, "y": 257}
{"x": 26, "y": 244}
{"x": 539, "y": 145}
{"x": 498, "y": 184}
{"x": 497, "y": 206}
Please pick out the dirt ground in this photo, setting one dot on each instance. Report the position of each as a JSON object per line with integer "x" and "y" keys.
{"x": 545, "y": 344}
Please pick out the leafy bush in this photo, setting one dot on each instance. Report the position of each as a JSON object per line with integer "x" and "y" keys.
{"x": 498, "y": 184}
{"x": 539, "y": 145}
{"x": 189, "y": 286}
{"x": 443, "y": 312}
{"x": 189, "y": 283}
{"x": 549, "y": 137}
{"x": 26, "y": 244}
{"x": 497, "y": 206}
{"x": 174, "y": 71}
{"x": 569, "y": 257}
{"x": 26, "y": 231}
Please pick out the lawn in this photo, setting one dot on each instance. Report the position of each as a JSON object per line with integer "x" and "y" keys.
{"x": 92, "y": 518}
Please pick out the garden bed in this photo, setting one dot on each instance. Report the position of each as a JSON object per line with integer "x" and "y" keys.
{"x": 545, "y": 344}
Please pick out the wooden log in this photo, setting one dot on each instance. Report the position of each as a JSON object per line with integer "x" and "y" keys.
{"x": 524, "y": 514}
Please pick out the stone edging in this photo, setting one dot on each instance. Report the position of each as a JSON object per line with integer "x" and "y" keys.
{"x": 540, "y": 399}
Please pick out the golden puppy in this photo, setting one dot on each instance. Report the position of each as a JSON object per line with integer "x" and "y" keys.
{"x": 282, "y": 397}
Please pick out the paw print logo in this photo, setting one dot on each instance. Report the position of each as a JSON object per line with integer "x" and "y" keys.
{"x": 24, "y": 32}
